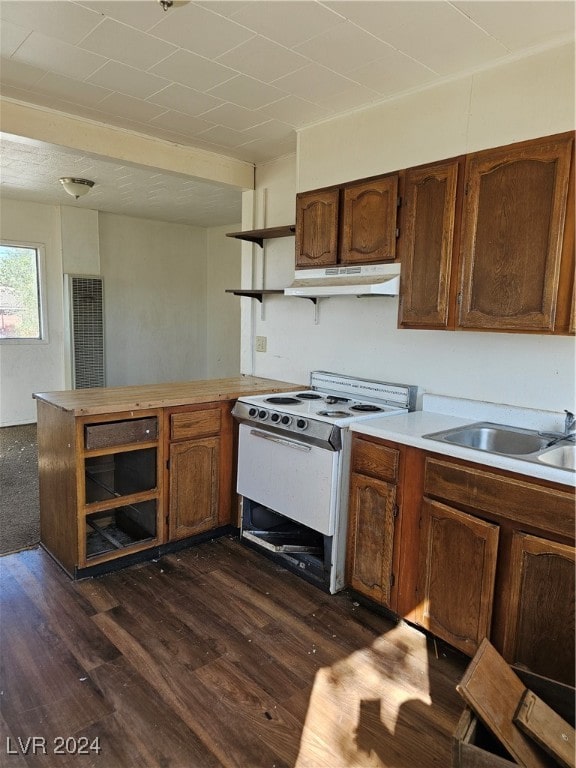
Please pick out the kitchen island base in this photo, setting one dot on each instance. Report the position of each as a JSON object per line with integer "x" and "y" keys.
{"x": 146, "y": 555}
{"x": 129, "y": 473}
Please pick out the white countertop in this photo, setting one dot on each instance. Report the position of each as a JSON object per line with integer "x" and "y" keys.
{"x": 408, "y": 428}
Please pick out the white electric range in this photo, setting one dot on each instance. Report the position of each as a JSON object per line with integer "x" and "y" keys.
{"x": 293, "y": 467}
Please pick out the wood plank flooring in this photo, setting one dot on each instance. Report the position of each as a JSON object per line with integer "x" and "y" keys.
{"x": 213, "y": 656}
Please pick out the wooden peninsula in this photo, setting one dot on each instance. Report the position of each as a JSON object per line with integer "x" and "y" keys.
{"x": 130, "y": 473}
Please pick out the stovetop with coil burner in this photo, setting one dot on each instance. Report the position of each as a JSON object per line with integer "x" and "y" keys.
{"x": 333, "y": 402}
{"x": 321, "y": 405}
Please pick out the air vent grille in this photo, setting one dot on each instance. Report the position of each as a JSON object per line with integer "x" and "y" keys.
{"x": 87, "y": 330}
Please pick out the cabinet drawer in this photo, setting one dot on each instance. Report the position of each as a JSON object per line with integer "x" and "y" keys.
{"x": 522, "y": 502}
{"x": 375, "y": 460}
{"x": 120, "y": 433}
{"x": 195, "y": 424}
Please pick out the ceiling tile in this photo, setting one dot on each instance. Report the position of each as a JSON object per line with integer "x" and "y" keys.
{"x": 355, "y": 97}
{"x": 11, "y": 37}
{"x": 295, "y": 111}
{"x": 223, "y": 136}
{"x": 56, "y": 56}
{"x": 125, "y": 79}
{"x": 541, "y": 21}
{"x": 343, "y": 48}
{"x": 129, "y": 108}
{"x": 381, "y": 18}
{"x": 226, "y": 8}
{"x": 288, "y": 22}
{"x": 194, "y": 71}
{"x": 201, "y": 31}
{"x": 156, "y": 131}
{"x": 261, "y": 151}
{"x": 456, "y": 43}
{"x": 394, "y": 73}
{"x": 130, "y": 46}
{"x": 184, "y": 99}
{"x": 247, "y": 92}
{"x": 234, "y": 117}
{"x": 180, "y": 123}
{"x": 64, "y": 21}
{"x": 313, "y": 82}
{"x": 272, "y": 130}
{"x": 18, "y": 74}
{"x": 141, "y": 14}
{"x": 263, "y": 59}
{"x": 71, "y": 90}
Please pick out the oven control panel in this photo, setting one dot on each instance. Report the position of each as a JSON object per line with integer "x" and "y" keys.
{"x": 313, "y": 431}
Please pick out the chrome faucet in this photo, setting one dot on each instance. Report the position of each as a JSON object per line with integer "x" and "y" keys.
{"x": 568, "y": 434}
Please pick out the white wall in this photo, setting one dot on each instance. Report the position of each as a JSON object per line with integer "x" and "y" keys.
{"x": 167, "y": 317}
{"x": 80, "y": 256}
{"x": 27, "y": 367}
{"x": 528, "y": 98}
{"x": 223, "y": 310}
{"x": 155, "y": 294}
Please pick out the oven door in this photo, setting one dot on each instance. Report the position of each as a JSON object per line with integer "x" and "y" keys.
{"x": 293, "y": 478}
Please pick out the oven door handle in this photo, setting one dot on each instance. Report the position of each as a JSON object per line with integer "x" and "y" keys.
{"x": 281, "y": 440}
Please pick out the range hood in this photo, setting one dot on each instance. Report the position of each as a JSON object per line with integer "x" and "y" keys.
{"x": 368, "y": 280}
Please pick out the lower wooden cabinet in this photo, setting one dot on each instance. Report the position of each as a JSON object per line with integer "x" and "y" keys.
{"x": 381, "y": 555}
{"x": 371, "y": 537}
{"x": 101, "y": 485}
{"x": 541, "y": 599}
{"x": 194, "y": 487}
{"x": 466, "y": 552}
{"x": 199, "y": 469}
{"x": 115, "y": 485}
{"x": 458, "y": 569}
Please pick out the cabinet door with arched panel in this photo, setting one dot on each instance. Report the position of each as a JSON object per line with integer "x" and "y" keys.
{"x": 317, "y": 216}
{"x": 514, "y": 216}
{"x": 539, "y": 629}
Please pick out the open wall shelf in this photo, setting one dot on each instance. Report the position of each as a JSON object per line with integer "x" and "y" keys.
{"x": 259, "y": 235}
{"x": 255, "y": 293}
{"x": 259, "y": 293}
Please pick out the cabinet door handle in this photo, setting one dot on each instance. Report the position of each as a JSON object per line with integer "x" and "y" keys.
{"x": 281, "y": 441}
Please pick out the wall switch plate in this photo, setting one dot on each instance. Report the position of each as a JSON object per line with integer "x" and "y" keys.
{"x": 260, "y": 343}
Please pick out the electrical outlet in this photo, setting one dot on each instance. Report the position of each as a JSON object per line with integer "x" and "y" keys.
{"x": 260, "y": 343}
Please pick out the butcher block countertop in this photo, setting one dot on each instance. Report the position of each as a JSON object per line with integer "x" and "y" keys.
{"x": 86, "y": 402}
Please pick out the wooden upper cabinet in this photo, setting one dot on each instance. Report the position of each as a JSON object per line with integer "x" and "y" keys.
{"x": 512, "y": 235}
{"x": 426, "y": 244}
{"x": 352, "y": 224}
{"x": 369, "y": 221}
{"x": 317, "y": 228}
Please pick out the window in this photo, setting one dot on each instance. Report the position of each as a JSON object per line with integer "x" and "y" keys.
{"x": 20, "y": 294}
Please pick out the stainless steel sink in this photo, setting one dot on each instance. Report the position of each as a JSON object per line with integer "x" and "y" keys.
{"x": 493, "y": 438}
{"x": 515, "y": 442}
{"x": 563, "y": 457}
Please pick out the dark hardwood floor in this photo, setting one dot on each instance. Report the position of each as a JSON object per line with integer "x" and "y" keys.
{"x": 212, "y": 657}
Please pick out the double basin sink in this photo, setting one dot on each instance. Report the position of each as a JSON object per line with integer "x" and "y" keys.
{"x": 514, "y": 442}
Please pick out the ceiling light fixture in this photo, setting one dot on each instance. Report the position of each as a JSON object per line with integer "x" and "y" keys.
{"x": 76, "y": 187}
{"x": 171, "y": 3}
